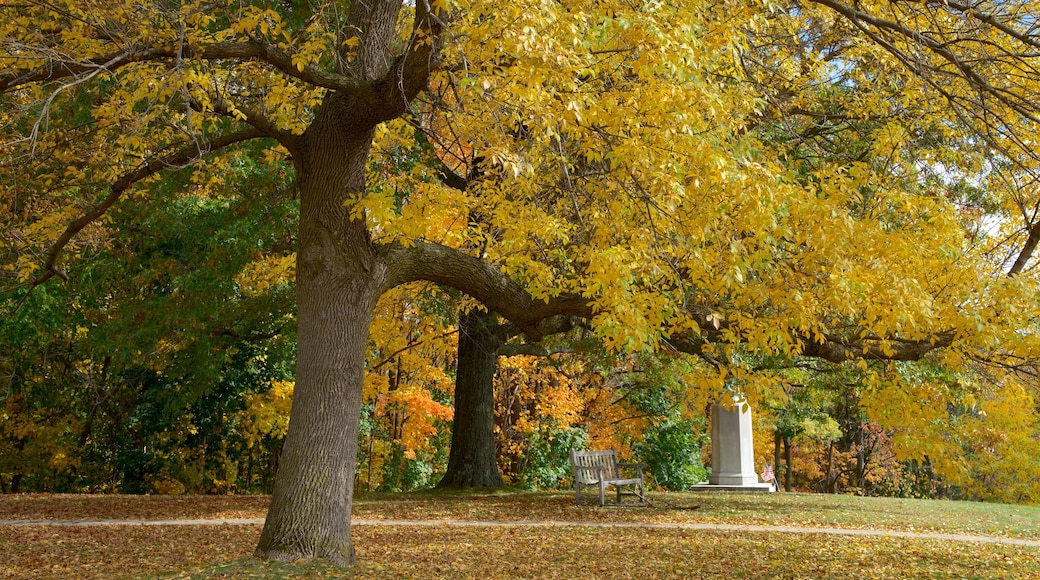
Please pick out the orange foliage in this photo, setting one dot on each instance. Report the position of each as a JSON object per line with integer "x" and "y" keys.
{"x": 420, "y": 413}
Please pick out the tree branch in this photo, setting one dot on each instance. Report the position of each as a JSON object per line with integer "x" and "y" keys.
{"x": 252, "y": 49}
{"x": 829, "y": 347}
{"x": 540, "y": 318}
{"x": 258, "y": 122}
{"x": 531, "y": 349}
{"x": 411, "y": 70}
{"x": 1021, "y": 104}
{"x": 839, "y": 349}
{"x": 408, "y": 347}
{"x": 1027, "y": 250}
{"x": 250, "y": 337}
{"x": 970, "y": 11}
{"x": 483, "y": 281}
{"x": 116, "y": 191}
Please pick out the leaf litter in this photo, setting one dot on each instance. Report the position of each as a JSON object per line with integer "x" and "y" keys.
{"x": 223, "y": 551}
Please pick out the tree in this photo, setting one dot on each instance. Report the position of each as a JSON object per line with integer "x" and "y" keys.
{"x": 473, "y": 456}
{"x": 473, "y": 460}
{"x": 137, "y": 362}
{"x": 407, "y": 388}
{"x": 341, "y": 271}
{"x": 800, "y": 415}
{"x": 608, "y": 196}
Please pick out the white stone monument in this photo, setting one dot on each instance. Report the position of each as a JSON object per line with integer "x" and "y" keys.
{"x": 732, "y": 450}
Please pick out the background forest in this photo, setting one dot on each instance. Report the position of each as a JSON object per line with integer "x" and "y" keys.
{"x": 829, "y": 209}
{"x": 165, "y": 366}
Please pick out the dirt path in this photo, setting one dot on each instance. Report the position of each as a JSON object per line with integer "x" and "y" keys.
{"x": 544, "y": 524}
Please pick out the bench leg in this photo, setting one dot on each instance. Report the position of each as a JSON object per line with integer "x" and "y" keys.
{"x": 602, "y": 490}
{"x": 577, "y": 493}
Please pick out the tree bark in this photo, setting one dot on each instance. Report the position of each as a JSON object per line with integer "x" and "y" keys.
{"x": 777, "y": 440}
{"x": 787, "y": 460}
{"x": 340, "y": 277}
{"x": 472, "y": 460}
{"x": 832, "y": 480}
{"x": 861, "y": 461}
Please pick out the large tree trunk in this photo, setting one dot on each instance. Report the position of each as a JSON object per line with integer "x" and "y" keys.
{"x": 473, "y": 461}
{"x": 309, "y": 515}
{"x": 339, "y": 278}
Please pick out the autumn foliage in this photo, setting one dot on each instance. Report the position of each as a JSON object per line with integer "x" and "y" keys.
{"x": 828, "y": 208}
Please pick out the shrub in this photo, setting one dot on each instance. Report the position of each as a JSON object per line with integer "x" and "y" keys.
{"x": 671, "y": 451}
{"x": 547, "y": 458}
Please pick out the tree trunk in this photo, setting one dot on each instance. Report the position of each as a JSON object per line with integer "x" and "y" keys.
{"x": 339, "y": 277}
{"x": 832, "y": 479}
{"x": 371, "y": 457}
{"x": 472, "y": 460}
{"x": 16, "y": 477}
{"x": 777, "y": 440}
{"x": 309, "y": 515}
{"x": 861, "y": 461}
{"x": 787, "y": 461}
{"x": 249, "y": 466}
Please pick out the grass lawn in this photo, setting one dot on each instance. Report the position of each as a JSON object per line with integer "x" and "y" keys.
{"x": 542, "y": 552}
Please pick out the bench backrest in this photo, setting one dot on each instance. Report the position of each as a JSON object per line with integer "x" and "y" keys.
{"x": 585, "y": 463}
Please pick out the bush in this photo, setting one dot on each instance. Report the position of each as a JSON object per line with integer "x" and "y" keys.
{"x": 403, "y": 473}
{"x": 547, "y": 458}
{"x": 671, "y": 451}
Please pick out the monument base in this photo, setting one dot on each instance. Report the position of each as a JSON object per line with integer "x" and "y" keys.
{"x": 733, "y": 478}
{"x": 751, "y": 487}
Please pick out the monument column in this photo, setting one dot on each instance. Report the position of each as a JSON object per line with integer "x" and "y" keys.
{"x": 732, "y": 450}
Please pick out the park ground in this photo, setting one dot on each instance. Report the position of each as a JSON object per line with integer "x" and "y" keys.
{"x": 536, "y": 535}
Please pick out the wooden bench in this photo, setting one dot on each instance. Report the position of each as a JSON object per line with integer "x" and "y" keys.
{"x": 600, "y": 469}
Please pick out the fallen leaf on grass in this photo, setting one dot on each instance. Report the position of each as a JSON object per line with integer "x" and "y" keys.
{"x": 508, "y": 552}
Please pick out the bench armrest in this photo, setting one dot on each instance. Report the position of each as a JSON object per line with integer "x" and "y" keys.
{"x": 637, "y": 466}
{"x": 581, "y": 470}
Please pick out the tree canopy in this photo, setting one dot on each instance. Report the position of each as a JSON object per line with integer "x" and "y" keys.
{"x": 734, "y": 180}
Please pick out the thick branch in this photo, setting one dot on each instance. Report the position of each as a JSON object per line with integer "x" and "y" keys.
{"x": 1027, "y": 250}
{"x": 538, "y": 318}
{"x": 252, "y": 49}
{"x": 838, "y": 349}
{"x": 411, "y": 70}
{"x": 483, "y": 281}
{"x": 249, "y": 337}
{"x": 532, "y": 349}
{"x": 830, "y": 347}
{"x": 423, "y": 51}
